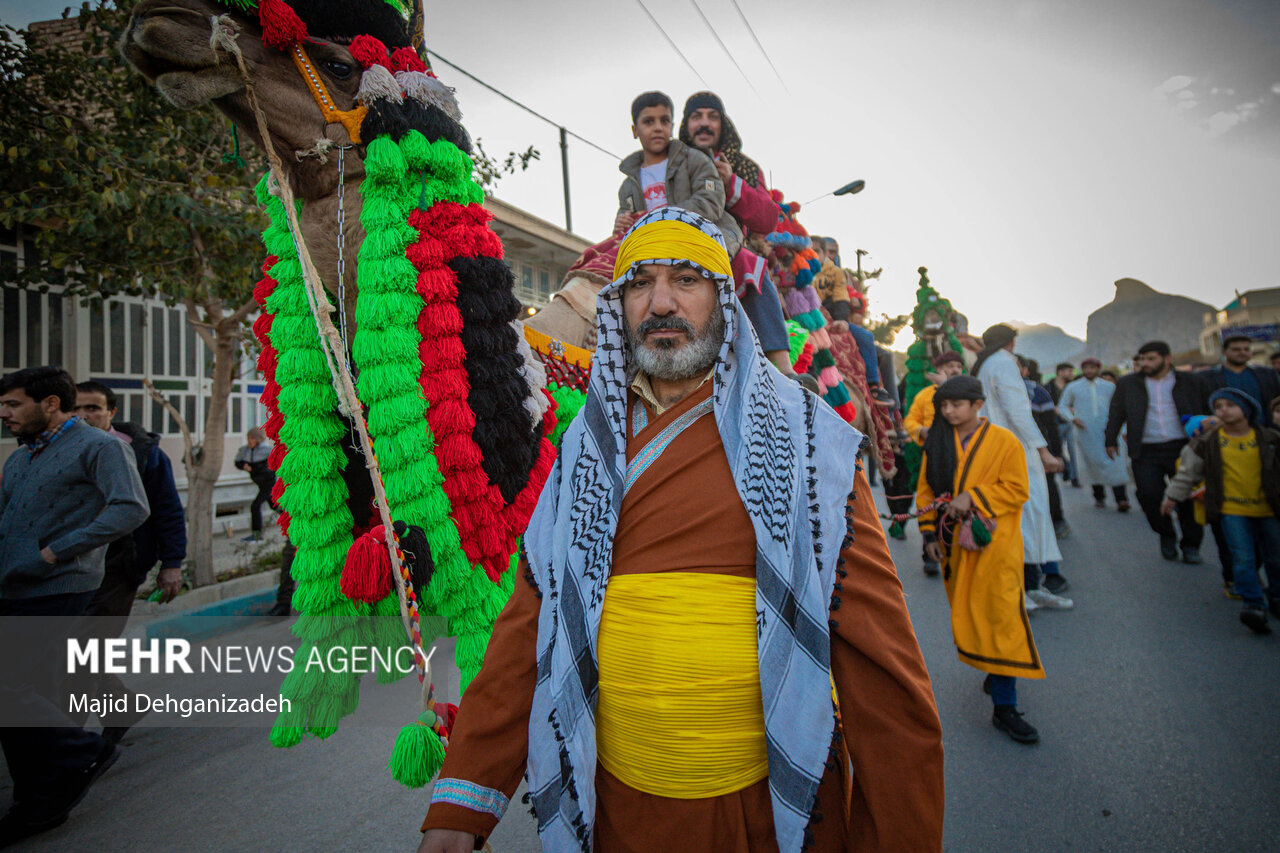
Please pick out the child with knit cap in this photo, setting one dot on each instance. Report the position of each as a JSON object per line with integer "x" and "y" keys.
{"x": 1239, "y": 462}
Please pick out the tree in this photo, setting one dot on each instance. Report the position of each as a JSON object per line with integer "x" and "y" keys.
{"x": 123, "y": 194}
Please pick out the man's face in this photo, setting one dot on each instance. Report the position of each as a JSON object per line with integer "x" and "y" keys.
{"x": 1064, "y": 373}
{"x": 91, "y": 406}
{"x": 1228, "y": 412}
{"x": 704, "y": 128}
{"x": 1237, "y": 353}
{"x": 816, "y": 245}
{"x": 833, "y": 251}
{"x": 960, "y": 412}
{"x": 1091, "y": 370}
{"x": 674, "y": 327}
{"x": 653, "y": 129}
{"x": 1152, "y": 363}
{"x": 251, "y": 441}
{"x": 25, "y": 417}
{"x": 950, "y": 369}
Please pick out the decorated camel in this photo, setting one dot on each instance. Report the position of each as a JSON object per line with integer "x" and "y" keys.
{"x": 938, "y": 329}
{"x": 372, "y": 204}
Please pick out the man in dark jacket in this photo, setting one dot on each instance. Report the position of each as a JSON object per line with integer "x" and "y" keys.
{"x": 162, "y": 537}
{"x": 66, "y": 493}
{"x": 1150, "y": 404}
{"x": 1260, "y": 383}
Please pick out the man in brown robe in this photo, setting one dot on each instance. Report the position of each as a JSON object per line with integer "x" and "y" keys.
{"x": 705, "y": 500}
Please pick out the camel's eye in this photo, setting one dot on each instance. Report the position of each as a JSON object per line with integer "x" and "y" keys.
{"x": 338, "y": 70}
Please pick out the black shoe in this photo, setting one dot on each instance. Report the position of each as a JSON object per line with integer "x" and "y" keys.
{"x": 1169, "y": 547}
{"x": 1191, "y": 556}
{"x": 1061, "y": 529}
{"x": 115, "y": 727}
{"x": 931, "y": 568}
{"x": 986, "y": 685}
{"x": 66, "y": 795}
{"x": 1007, "y": 719}
{"x": 1056, "y": 584}
{"x": 1100, "y": 503}
{"x": 280, "y": 611}
{"x": 1256, "y": 619}
{"x": 1075, "y": 484}
{"x": 1123, "y": 506}
{"x": 17, "y": 825}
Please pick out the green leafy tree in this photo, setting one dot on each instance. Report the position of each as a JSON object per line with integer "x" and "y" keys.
{"x": 123, "y": 194}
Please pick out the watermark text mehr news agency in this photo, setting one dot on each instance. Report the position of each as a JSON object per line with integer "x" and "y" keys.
{"x": 171, "y": 656}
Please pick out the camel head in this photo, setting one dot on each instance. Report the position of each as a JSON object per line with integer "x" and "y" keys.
{"x": 304, "y": 73}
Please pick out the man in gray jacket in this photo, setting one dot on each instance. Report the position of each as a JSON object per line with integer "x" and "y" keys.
{"x": 665, "y": 171}
{"x": 66, "y": 493}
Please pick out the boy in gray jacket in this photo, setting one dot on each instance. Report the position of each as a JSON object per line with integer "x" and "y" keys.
{"x": 67, "y": 492}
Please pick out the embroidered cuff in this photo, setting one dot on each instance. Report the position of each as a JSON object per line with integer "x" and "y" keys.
{"x": 459, "y": 792}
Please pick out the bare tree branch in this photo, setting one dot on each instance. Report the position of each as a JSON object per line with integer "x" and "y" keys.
{"x": 188, "y": 442}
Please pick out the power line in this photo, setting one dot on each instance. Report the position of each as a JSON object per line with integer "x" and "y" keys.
{"x": 756, "y": 39}
{"x": 716, "y": 36}
{"x": 683, "y": 58}
{"x": 527, "y": 109}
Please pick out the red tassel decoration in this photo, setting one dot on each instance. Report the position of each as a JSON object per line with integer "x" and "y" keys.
{"x": 368, "y": 51}
{"x": 281, "y": 26}
{"x": 366, "y": 576}
{"x": 406, "y": 59}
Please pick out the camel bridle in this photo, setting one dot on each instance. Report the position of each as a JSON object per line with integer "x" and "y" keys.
{"x": 350, "y": 119}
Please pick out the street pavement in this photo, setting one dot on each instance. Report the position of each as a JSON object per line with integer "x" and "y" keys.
{"x": 1158, "y": 721}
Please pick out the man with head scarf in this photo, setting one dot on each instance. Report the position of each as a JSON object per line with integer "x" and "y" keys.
{"x": 704, "y": 566}
{"x": 1009, "y": 406}
{"x": 982, "y": 471}
{"x": 1085, "y": 403}
{"x": 707, "y": 127}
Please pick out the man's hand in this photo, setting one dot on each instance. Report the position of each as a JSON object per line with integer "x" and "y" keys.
{"x": 960, "y": 505}
{"x": 1078, "y": 423}
{"x": 933, "y": 551}
{"x": 1052, "y": 464}
{"x": 924, "y": 433}
{"x": 1113, "y": 452}
{"x": 1168, "y": 506}
{"x": 170, "y": 582}
{"x": 726, "y": 174}
{"x": 447, "y": 841}
{"x": 934, "y": 378}
{"x": 46, "y": 554}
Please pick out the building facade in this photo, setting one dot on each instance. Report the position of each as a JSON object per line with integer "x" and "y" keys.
{"x": 1255, "y": 313}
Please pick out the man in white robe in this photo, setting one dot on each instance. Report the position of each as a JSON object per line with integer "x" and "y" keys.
{"x": 1085, "y": 402}
{"x": 1009, "y": 406}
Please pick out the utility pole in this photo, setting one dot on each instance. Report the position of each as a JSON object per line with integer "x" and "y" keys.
{"x": 564, "y": 168}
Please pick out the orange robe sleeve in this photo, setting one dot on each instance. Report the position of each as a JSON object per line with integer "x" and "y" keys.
{"x": 489, "y": 744}
{"x": 890, "y": 721}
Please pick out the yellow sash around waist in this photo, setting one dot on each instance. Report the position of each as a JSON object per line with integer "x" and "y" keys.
{"x": 679, "y": 712}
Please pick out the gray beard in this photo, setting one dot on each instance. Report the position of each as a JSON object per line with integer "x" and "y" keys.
{"x": 668, "y": 362}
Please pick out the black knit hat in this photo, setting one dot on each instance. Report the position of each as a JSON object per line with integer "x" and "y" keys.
{"x": 702, "y": 101}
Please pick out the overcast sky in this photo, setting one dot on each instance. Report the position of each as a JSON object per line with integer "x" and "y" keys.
{"x": 1028, "y": 153}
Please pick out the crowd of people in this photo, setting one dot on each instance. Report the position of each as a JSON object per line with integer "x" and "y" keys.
{"x": 800, "y": 724}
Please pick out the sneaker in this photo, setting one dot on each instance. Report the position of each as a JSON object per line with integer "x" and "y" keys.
{"x": 1061, "y": 529}
{"x": 881, "y": 397}
{"x": 1123, "y": 506}
{"x": 1029, "y": 603}
{"x": 932, "y": 569}
{"x": 1256, "y": 619}
{"x": 1169, "y": 547}
{"x": 896, "y": 531}
{"x": 1007, "y": 719}
{"x": 1229, "y": 590}
{"x": 1191, "y": 556}
{"x": 1048, "y": 600}
{"x": 1056, "y": 584}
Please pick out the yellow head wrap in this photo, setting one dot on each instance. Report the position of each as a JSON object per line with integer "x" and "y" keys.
{"x": 671, "y": 239}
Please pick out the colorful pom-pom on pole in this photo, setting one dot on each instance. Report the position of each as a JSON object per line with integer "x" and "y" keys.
{"x": 366, "y": 576}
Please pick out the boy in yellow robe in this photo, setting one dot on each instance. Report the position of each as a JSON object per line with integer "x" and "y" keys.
{"x": 983, "y": 468}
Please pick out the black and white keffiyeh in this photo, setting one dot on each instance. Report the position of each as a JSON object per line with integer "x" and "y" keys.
{"x": 793, "y": 461}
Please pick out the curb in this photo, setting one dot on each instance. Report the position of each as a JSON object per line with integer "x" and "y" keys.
{"x": 209, "y": 620}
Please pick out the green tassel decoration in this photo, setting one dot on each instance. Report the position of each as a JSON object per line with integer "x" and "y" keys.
{"x": 417, "y": 756}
